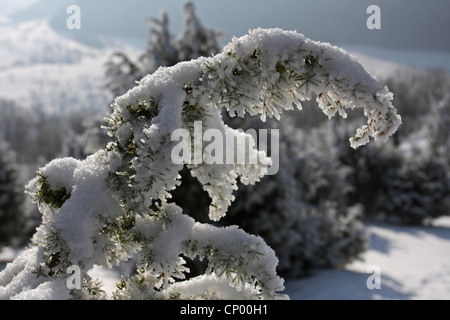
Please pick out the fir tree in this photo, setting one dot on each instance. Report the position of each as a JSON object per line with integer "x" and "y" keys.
{"x": 193, "y": 41}
{"x": 115, "y": 203}
{"x": 162, "y": 50}
{"x": 11, "y": 198}
{"x": 302, "y": 212}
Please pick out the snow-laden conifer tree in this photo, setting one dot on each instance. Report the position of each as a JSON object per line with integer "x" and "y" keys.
{"x": 316, "y": 177}
{"x": 11, "y": 198}
{"x": 116, "y": 202}
{"x": 408, "y": 179}
{"x": 302, "y": 212}
{"x": 162, "y": 50}
{"x": 194, "y": 40}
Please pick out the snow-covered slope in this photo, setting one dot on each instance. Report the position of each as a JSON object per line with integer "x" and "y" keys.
{"x": 380, "y": 68}
{"x": 383, "y": 63}
{"x": 424, "y": 58}
{"x": 34, "y": 42}
{"x": 39, "y": 67}
{"x": 413, "y": 264}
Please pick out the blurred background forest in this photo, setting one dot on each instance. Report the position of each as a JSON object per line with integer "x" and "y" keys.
{"x": 55, "y": 91}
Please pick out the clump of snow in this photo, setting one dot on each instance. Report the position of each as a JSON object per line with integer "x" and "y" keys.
{"x": 59, "y": 173}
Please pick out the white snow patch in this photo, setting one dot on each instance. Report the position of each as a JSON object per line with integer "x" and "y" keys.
{"x": 413, "y": 261}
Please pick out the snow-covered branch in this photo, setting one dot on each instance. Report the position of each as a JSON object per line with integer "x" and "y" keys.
{"x": 115, "y": 204}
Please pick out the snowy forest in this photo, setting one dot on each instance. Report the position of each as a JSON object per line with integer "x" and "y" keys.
{"x": 248, "y": 233}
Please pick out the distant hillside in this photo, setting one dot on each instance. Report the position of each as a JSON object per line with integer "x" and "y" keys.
{"x": 34, "y": 42}
{"x": 39, "y": 67}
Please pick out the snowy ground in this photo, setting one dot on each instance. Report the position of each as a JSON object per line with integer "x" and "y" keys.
{"x": 414, "y": 264}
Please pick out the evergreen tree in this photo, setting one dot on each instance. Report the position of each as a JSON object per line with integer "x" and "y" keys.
{"x": 162, "y": 50}
{"x": 11, "y": 198}
{"x": 302, "y": 212}
{"x": 116, "y": 202}
{"x": 193, "y": 41}
{"x": 408, "y": 183}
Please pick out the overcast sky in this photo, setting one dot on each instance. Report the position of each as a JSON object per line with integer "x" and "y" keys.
{"x": 405, "y": 24}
